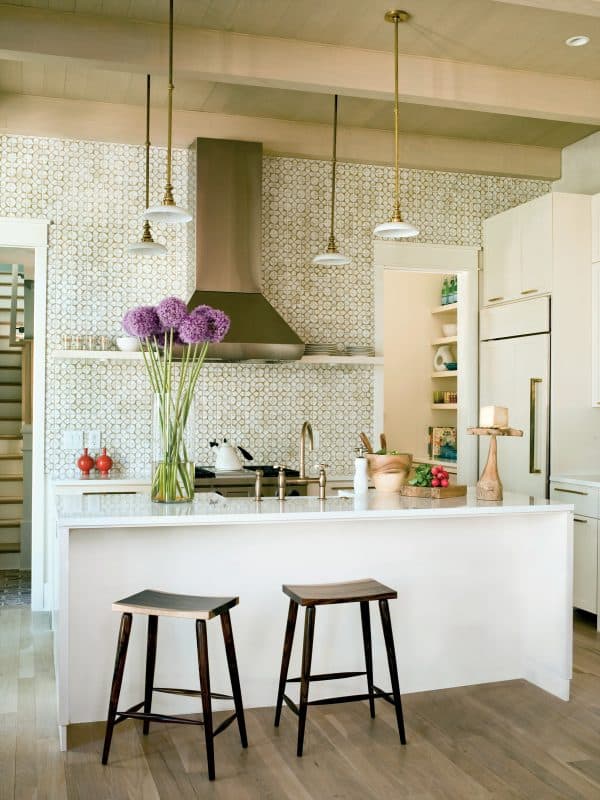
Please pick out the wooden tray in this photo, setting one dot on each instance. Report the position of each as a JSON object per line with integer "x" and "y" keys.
{"x": 434, "y": 492}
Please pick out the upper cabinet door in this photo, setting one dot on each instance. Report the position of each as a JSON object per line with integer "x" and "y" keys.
{"x": 537, "y": 249}
{"x": 596, "y": 227}
{"x": 502, "y": 257}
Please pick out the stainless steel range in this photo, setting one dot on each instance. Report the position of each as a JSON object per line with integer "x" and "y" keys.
{"x": 241, "y": 482}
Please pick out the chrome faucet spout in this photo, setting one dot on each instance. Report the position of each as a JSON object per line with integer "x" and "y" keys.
{"x": 306, "y": 431}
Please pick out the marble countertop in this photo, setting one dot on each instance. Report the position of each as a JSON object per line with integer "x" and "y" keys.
{"x": 591, "y": 479}
{"x": 101, "y": 511}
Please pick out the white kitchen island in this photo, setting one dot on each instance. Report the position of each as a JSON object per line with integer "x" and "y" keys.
{"x": 484, "y": 591}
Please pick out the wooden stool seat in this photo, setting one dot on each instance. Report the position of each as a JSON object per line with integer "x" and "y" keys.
{"x": 155, "y": 604}
{"x": 362, "y": 592}
{"x": 165, "y": 604}
{"x": 320, "y": 594}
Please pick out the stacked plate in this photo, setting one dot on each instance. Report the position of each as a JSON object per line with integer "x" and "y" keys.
{"x": 359, "y": 350}
{"x": 312, "y": 349}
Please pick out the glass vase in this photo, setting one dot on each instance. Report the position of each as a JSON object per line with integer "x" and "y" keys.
{"x": 172, "y": 464}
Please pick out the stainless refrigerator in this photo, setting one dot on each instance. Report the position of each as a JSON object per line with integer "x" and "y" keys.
{"x": 514, "y": 360}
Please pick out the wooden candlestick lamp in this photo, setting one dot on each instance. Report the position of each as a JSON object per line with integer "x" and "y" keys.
{"x": 493, "y": 423}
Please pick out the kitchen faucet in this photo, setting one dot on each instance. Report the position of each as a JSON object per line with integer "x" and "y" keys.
{"x": 306, "y": 429}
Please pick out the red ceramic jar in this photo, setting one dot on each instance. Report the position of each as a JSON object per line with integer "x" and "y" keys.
{"x": 85, "y": 463}
{"x": 104, "y": 464}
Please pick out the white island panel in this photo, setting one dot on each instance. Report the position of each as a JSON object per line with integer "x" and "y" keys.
{"x": 484, "y": 591}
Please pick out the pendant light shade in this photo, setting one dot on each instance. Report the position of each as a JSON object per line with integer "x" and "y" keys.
{"x": 396, "y": 227}
{"x": 332, "y": 257}
{"x": 169, "y": 212}
{"x": 147, "y": 246}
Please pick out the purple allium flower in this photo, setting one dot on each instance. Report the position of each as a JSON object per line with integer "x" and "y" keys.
{"x": 218, "y": 325}
{"x": 194, "y": 329}
{"x": 171, "y": 312}
{"x": 200, "y": 311}
{"x": 142, "y": 322}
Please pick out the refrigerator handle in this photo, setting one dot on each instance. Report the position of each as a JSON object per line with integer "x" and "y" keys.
{"x": 533, "y": 382}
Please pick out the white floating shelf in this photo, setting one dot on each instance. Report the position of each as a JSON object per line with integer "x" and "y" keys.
{"x": 445, "y": 340}
{"x": 445, "y": 406}
{"x": 450, "y": 466}
{"x": 118, "y": 355}
{"x": 448, "y": 373}
{"x": 445, "y": 309}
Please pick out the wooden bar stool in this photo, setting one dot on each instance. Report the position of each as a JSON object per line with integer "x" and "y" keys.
{"x": 162, "y": 604}
{"x": 363, "y": 592}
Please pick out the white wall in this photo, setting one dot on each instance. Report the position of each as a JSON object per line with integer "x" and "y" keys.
{"x": 580, "y": 172}
{"x": 409, "y": 328}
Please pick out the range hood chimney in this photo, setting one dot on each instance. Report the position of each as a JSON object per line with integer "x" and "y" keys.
{"x": 228, "y": 253}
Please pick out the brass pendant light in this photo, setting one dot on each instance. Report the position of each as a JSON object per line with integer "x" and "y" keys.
{"x": 396, "y": 228}
{"x": 147, "y": 246}
{"x": 332, "y": 257}
{"x": 169, "y": 212}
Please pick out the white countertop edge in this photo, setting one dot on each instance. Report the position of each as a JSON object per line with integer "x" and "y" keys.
{"x": 72, "y": 483}
{"x": 314, "y": 516}
{"x": 592, "y": 481}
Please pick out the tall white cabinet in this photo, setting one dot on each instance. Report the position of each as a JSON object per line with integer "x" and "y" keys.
{"x": 518, "y": 247}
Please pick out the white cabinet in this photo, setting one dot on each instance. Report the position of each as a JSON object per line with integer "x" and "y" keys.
{"x": 501, "y": 256}
{"x": 518, "y": 251}
{"x": 586, "y": 549}
{"x": 537, "y": 249}
{"x": 596, "y": 335}
{"x": 596, "y": 228}
{"x": 585, "y": 564}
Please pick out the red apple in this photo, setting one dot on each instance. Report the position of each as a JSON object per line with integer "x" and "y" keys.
{"x": 444, "y": 482}
{"x": 435, "y": 482}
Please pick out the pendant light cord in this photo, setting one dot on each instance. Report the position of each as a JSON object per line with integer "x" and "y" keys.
{"x": 168, "y": 200}
{"x": 332, "y": 245}
{"x": 396, "y": 132}
{"x": 147, "y": 142}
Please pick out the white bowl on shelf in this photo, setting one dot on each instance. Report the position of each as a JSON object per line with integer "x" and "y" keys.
{"x": 128, "y": 344}
{"x": 450, "y": 329}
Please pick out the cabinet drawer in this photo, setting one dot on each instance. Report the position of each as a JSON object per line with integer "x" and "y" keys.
{"x": 584, "y": 498}
{"x": 585, "y": 563}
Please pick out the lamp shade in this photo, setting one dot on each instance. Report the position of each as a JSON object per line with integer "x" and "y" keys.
{"x": 395, "y": 230}
{"x": 147, "y": 249}
{"x": 329, "y": 259}
{"x": 167, "y": 214}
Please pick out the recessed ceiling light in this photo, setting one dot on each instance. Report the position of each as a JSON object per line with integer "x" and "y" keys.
{"x": 577, "y": 41}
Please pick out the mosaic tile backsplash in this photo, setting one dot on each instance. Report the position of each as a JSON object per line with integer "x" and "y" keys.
{"x": 93, "y": 193}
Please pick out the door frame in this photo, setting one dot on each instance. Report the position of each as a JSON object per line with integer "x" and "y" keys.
{"x": 443, "y": 260}
{"x": 33, "y": 234}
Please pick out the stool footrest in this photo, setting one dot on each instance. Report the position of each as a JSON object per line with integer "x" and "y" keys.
{"x": 328, "y": 676}
{"x": 384, "y": 695}
{"x": 350, "y": 698}
{"x": 122, "y": 715}
{"x": 193, "y": 693}
{"x": 225, "y": 724}
{"x": 291, "y": 705}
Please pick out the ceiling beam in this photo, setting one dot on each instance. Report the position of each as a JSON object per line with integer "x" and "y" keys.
{"x": 132, "y": 46}
{"x": 79, "y": 119}
{"x": 587, "y": 8}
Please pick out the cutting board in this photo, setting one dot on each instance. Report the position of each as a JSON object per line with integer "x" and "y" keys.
{"x": 434, "y": 492}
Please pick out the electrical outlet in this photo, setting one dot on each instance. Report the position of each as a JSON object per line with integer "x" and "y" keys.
{"x": 93, "y": 440}
{"x": 72, "y": 440}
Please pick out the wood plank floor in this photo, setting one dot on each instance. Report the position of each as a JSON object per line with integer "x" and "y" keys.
{"x": 497, "y": 741}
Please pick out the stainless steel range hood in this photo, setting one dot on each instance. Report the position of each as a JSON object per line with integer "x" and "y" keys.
{"x": 228, "y": 252}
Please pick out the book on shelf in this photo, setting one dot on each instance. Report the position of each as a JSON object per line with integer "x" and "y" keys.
{"x": 442, "y": 443}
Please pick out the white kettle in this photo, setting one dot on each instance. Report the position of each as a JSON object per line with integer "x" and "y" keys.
{"x": 227, "y": 458}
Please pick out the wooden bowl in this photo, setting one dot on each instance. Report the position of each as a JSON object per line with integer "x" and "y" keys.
{"x": 389, "y": 473}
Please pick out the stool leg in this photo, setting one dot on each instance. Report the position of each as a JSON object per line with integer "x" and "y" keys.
{"x": 202, "y": 644}
{"x": 234, "y": 675}
{"x": 285, "y": 659}
{"x": 117, "y": 680}
{"x": 309, "y": 632}
{"x": 386, "y": 624}
{"x": 366, "y": 632}
{"x": 150, "y": 665}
